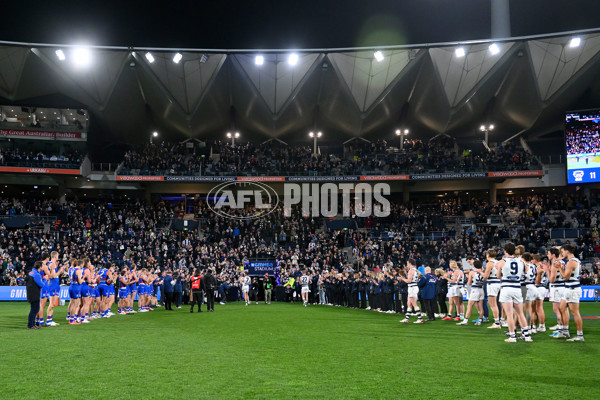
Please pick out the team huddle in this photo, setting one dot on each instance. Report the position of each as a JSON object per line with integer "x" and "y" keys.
{"x": 92, "y": 291}
{"x": 519, "y": 283}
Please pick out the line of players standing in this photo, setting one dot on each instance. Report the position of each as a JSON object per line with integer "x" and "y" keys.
{"x": 518, "y": 282}
{"x": 92, "y": 290}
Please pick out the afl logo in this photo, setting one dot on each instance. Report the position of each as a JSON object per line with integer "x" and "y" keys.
{"x": 242, "y": 200}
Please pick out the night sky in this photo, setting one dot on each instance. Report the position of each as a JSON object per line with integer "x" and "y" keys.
{"x": 281, "y": 24}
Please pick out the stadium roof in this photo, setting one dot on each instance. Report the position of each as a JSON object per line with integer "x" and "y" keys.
{"x": 347, "y": 93}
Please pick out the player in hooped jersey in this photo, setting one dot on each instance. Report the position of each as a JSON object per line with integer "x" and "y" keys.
{"x": 541, "y": 284}
{"x": 493, "y": 286}
{"x": 528, "y": 290}
{"x": 476, "y": 296}
{"x": 305, "y": 281}
{"x": 412, "y": 279}
{"x": 571, "y": 273}
{"x": 456, "y": 282}
{"x": 245, "y": 280}
{"x": 557, "y": 288}
{"x": 510, "y": 272}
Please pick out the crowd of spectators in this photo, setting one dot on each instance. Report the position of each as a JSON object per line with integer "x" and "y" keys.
{"x": 18, "y": 157}
{"x": 133, "y": 232}
{"x": 583, "y": 137}
{"x": 357, "y": 158}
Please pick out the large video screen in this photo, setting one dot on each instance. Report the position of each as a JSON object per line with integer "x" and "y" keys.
{"x": 583, "y": 146}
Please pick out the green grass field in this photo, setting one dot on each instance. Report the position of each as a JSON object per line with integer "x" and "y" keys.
{"x": 286, "y": 351}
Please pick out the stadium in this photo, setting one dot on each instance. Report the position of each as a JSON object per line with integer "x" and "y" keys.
{"x": 372, "y": 202}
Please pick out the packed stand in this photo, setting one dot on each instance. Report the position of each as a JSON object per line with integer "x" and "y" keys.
{"x": 21, "y": 158}
{"x": 274, "y": 158}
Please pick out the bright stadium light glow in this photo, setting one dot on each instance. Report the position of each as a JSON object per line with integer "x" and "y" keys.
{"x": 155, "y": 134}
{"x": 259, "y": 60}
{"x": 494, "y": 49}
{"x": 459, "y": 52}
{"x": 378, "y": 56}
{"x": 293, "y": 59}
{"x": 82, "y": 56}
{"x": 150, "y": 57}
{"x": 177, "y": 57}
{"x": 236, "y": 135}
{"x": 575, "y": 42}
{"x": 60, "y": 54}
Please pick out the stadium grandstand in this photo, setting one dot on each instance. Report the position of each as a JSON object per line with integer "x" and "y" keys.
{"x": 363, "y": 178}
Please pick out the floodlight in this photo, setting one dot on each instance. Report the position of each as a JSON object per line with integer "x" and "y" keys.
{"x": 378, "y": 56}
{"x": 494, "y": 49}
{"x": 311, "y": 134}
{"x": 60, "y": 54}
{"x": 177, "y": 58}
{"x": 259, "y": 60}
{"x": 81, "y": 56}
{"x": 155, "y": 134}
{"x": 229, "y": 135}
{"x": 459, "y": 52}
{"x": 237, "y": 135}
{"x": 293, "y": 59}
{"x": 150, "y": 57}
{"x": 575, "y": 42}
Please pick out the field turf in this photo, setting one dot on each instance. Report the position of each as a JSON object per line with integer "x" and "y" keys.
{"x": 286, "y": 351}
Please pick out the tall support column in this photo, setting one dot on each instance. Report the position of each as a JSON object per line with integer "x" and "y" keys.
{"x": 500, "y": 19}
{"x": 405, "y": 194}
{"x": 493, "y": 192}
{"x": 62, "y": 192}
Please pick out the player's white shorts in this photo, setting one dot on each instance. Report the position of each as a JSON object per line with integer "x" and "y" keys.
{"x": 531, "y": 293}
{"x": 572, "y": 295}
{"x": 511, "y": 295}
{"x": 493, "y": 289}
{"x": 245, "y": 288}
{"x": 556, "y": 294}
{"x": 455, "y": 291}
{"x": 541, "y": 293}
{"x": 305, "y": 289}
{"x": 476, "y": 294}
{"x": 413, "y": 291}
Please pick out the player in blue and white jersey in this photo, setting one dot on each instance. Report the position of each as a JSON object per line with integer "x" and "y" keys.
{"x": 557, "y": 288}
{"x": 53, "y": 286}
{"x": 571, "y": 273}
{"x": 75, "y": 280}
{"x": 245, "y": 281}
{"x": 305, "y": 281}
{"x": 493, "y": 286}
{"x": 44, "y": 294}
{"x": 106, "y": 290}
{"x": 476, "y": 281}
{"x": 510, "y": 272}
